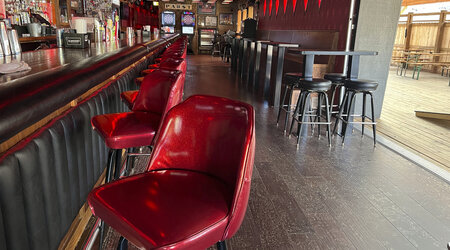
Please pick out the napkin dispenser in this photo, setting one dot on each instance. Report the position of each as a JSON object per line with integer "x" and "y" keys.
{"x": 76, "y": 41}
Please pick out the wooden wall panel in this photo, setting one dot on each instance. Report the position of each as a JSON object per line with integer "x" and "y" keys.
{"x": 423, "y": 35}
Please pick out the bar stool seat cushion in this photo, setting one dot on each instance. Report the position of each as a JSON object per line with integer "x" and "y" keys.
{"x": 127, "y": 130}
{"x": 169, "y": 63}
{"x": 315, "y": 84}
{"x": 164, "y": 207}
{"x": 129, "y": 97}
{"x": 292, "y": 78}
{"x": 335, "y": 77}
{"x": 361, "y": 84}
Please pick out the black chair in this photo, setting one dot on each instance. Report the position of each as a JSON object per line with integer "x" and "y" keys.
{"x": 353, "y": 87}
{"x": 307, "y": 87}
{"x": 290, "y": 81}
{"x": 337, "y": 82}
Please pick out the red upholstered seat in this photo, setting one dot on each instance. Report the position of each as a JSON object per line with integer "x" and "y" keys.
{"x": 128, "y": 97}
{"x": 137, "y": 128}
{"x": 168, "y": 63}
{"x": 166, "y": 206}
{"x": 127, "y": 130}
{"x": 196, "y": 190}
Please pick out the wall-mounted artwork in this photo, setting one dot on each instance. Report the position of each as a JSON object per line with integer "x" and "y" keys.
{"x": 211, "y": 21}
{"x": 206, "y": 8}
{"x": 226, "y": 19}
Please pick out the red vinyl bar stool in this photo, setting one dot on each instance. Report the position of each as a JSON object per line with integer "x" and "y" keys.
{"x": 138, "y": 127}
{"x": 194, "y": 193}
{"x": 168, "y": 63}
{"x": 129, "y": 96}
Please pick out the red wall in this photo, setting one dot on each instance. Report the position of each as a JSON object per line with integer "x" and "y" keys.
{"x": 332, "y": 15}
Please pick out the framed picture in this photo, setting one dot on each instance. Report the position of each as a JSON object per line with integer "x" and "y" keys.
{"x": 201, "y": 21}
{"x": 206, "y": 8}
{"x": 226, "y": 19}
{"x": 211, "y": 21}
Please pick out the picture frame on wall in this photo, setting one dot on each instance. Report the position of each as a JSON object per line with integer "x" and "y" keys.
{"x": 201, "y": 21}
{"x": 226, "y": 19}
{"x": 204, "y": 8}
{"x": 210, "y": 21}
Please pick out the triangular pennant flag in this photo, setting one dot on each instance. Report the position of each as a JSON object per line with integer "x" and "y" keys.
{"x": 306, "y": 3}
{"x": 285, "y": 5}
{"x": 264, "y": 7}
{"x": 270, "y": 8}
{"x": 320, "y": 1}
{"x": 294, "y": 3}
{"x": 277, "y": 4}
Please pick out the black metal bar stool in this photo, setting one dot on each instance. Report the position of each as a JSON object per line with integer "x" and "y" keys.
{"x": 290, "y": 81}
{"x": 308, "y": 86}
{"x": 337, "y": 82}
{"x": 353, "y": 87}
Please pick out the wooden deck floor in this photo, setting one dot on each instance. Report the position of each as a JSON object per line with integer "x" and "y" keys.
{"x": 429, "y": 138}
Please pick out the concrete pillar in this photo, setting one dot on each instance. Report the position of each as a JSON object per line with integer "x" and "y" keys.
{"x": 377, "y": 26}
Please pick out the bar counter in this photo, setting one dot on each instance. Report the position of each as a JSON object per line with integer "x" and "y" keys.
{"x": 58, "y": 76}
{"x": 50, "y": 158}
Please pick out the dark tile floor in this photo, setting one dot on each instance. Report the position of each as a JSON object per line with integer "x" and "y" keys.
{"x": 316, "y": 197}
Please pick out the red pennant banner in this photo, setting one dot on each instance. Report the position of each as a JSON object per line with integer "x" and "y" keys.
{"x": 306, "y": 3}
{"x": 294, "y": 3}
{"x": 277, "y": 4}
{"x": 284, "y": 5}
{"x": 320, "y": 1}
{"x": 264, "y": 7}
{"x": 270, "y": 8}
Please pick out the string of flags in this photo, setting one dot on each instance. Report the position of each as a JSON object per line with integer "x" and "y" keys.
{"x": 277, "y": 4}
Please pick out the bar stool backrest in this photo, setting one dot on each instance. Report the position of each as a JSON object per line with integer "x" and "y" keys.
{"x": 159, "y": 91}
{"x": 215, "y": 136}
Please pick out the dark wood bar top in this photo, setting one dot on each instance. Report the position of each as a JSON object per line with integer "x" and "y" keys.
{"x": 59, "y": 76}
{"x": 49, "y": 59}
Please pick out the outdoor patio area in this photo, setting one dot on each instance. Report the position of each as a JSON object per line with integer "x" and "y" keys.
{"x": 426, "y": 137}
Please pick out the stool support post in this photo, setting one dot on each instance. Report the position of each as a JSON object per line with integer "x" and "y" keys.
{"x": 282, "y": 103}
{"x": 345, "y": 124}
{"x": 319, "y": 112}
{"x": 118, "y": 164}
{"x": 221, "y": 245}
{"x": 373, "y": 120}
{"x": 328, "y": 114}
{"x": 363, "y": 117}
{"x": 288, "y": 108}
{"x": 341, "y": 110}
{"x": 305, "y": 105}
